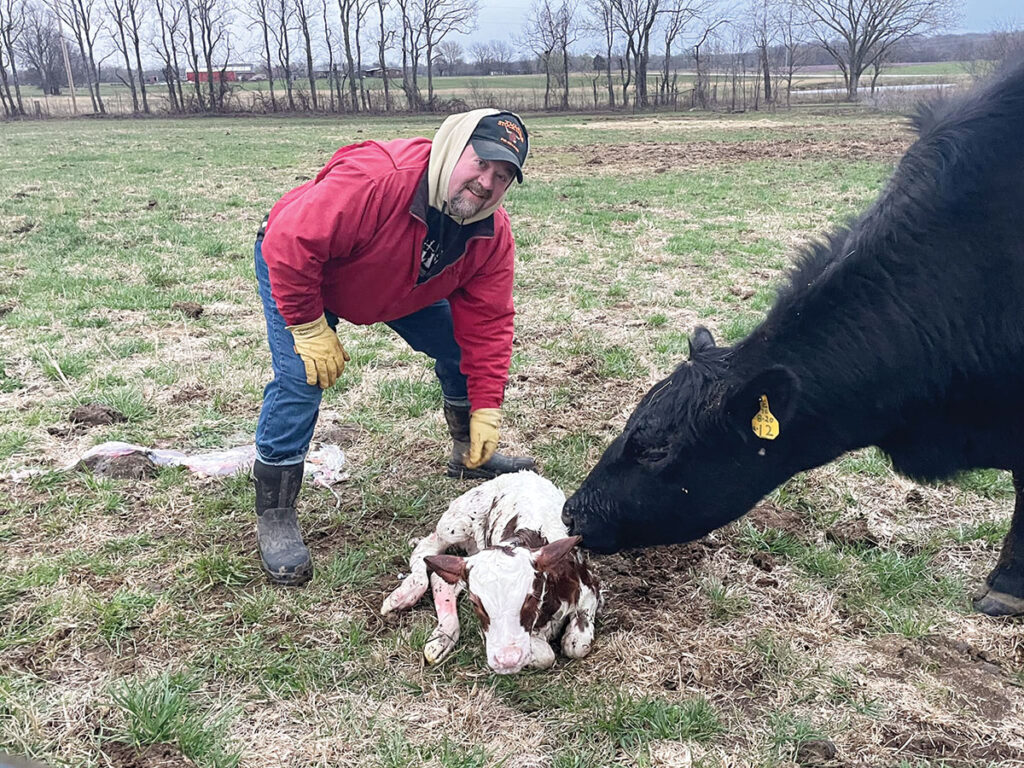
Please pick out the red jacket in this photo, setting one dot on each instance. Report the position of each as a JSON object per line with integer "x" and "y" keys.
{"x": 349, "y": 241}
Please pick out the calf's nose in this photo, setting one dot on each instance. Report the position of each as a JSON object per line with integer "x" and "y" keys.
{"x": 567, "y": 520}
{"x": 512, "y": 658}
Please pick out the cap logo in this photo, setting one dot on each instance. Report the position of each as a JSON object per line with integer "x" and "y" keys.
{"x": 514, "y": 136}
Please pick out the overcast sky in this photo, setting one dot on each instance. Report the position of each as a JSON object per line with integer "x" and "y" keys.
{"x": 502, "y": 19}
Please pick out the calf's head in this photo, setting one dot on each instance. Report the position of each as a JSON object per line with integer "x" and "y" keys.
{"x": 503, "y": 585}
{"x": 688, "y": 460}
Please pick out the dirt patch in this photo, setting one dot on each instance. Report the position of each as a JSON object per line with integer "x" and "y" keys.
{"x": 190, "y": 309}
{"x": 153, "y": 756}
{"x": 133, "y": 466}
{"x": 668, "y": 156}
{"x": 95, "y": 414}
{"x": 189, "y": 393}
{"x": 852, "y": 533}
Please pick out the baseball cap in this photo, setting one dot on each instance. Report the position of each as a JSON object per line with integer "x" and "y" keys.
{"x": 502, "y": 137}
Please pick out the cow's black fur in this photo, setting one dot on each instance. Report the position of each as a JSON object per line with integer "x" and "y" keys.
{"x": 904, "y": 330}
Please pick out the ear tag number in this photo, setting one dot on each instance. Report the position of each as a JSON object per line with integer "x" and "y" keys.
{"x": 765, "y": 425}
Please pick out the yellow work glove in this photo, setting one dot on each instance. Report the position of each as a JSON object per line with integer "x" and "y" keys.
{"x": 483, "y": 436}
{"x": 320, "y": 350}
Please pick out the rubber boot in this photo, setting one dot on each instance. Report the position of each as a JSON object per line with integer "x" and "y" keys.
{"x": 283, "y": 554}
{"x": 457, "y": 417}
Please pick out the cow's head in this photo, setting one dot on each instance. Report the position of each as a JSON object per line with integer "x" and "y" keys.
{"x": 503, "y": 585}
{"x": 688, "y": 460}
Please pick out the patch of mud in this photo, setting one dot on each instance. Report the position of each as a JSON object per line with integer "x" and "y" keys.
{"x": 133, "y": 466}
{"x": 768, "y": 515}
{"x": 190, "y": 309}
{"x": 641, "y": 581}
{"x": 153, "y": 756}
{"x": 852, "y": 533}
{"x": 189, "y": 393}
{"x": 976, "y": 683}
{"x": 658, "y": 157}
{"x": 96, "y": 414}
{"x": 957, "y": 748}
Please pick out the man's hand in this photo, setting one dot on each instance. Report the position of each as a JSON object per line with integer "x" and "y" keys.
{"x": 320, "y": 350}
{"x": 483, "y": 436}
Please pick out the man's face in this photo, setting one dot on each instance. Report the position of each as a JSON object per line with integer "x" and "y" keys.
{"x": 477, "y": 183}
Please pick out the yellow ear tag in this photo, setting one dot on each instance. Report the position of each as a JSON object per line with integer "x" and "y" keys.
{"x": 765, "y": 425}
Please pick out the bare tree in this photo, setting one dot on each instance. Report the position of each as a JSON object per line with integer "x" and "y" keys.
{"x": 440, "y": 19}
{"x": 363, "y": 8}
{"x": 602, "y": 21}
{"x": 330, "y": 53}
{"x": 763, "y": 32}
{"x": 385, "y": 38}
{"x": 83, "y": 19}
{"x": 302, "y": 14}
{"x": 40, "y": 47}
{"x": 677, "y": 16}
{"x": 283, "y": 14}
{"x": 636, "y": 19}
{"x": 168, "y": 20}
{"x": 212, "y": 20}
{"x": 412, "y": 38}
{"x": 541, "y": 38}
{"x": 701, "y": 87}
{"x": 482, "y": 57}
{"x": 792, "y": 46}
{"x": 856, "y": 32}
{"x": 118, "y": 11}
{"x": 449, "y": 54}
{"x": 259, "y": 12}
{"x": 349, "y": 12}
{"x": 502, "y": 54}
{"x": 12, "y": 25}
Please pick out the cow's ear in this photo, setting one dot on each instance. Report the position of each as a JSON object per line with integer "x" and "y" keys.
{"x": 700, "y": 341}
{"x": 451, "y": 568}
{"x": 551, "y": 553}
{"x": 763, "y": 408}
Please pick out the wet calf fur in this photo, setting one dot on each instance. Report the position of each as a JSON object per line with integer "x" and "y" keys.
{"x": 526, "y": 577}
{"x": 904, "y": 330}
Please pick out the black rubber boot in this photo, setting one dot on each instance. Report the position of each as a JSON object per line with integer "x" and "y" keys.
{"x": 457, "y": 417}
{"x": 283, "y": 554}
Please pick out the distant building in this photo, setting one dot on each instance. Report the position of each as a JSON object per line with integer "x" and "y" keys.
{"x": 231, "y": 73}
{"x": 377, "y": 72}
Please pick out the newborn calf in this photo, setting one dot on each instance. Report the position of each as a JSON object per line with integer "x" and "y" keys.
{"x": 525, "y": 577}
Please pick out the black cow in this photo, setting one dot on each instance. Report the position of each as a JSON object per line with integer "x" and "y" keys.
{"x": 904, "y": 330}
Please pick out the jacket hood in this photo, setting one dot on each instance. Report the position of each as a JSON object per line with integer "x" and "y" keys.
{"x": 449, "y": 142}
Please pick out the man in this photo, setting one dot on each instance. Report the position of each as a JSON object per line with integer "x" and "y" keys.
{"x": 411, "y": 233}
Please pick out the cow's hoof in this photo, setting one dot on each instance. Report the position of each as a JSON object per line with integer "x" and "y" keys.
{"x": 995, "y": 603}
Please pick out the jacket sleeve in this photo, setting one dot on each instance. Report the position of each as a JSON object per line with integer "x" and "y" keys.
{"x": 482, "y": 316}
{"x": 323, "y": 221}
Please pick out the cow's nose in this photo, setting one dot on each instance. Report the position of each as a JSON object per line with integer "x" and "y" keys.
{"x": 567, "y": 518}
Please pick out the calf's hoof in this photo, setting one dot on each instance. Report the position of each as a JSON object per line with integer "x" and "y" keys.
{"x": 438, "y": 647}
{"x": 995, "y": 603}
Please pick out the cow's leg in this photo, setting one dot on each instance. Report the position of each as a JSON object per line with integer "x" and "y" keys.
{"x": 542, "y": 652}
{"x": 408, "y": 593}
{"x": 1003, "y": 594}
{"x": 578, "y": 638}
{"x": 444, "y": 638}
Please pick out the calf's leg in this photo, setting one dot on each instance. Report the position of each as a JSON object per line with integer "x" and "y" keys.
{"x": 578, "y": 638}
{"x": 409, "y": 592}
{"x": 443, "y": 639}
{"x": 1003, "y": 593}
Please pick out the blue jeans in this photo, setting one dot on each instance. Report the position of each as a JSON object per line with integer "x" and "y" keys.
{"x": 290, "y": 405}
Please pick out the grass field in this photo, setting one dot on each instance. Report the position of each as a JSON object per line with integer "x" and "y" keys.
{"x": 137, "y": 630}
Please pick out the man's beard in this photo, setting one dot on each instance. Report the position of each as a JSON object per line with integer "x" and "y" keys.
{"x": 461, "y": 206}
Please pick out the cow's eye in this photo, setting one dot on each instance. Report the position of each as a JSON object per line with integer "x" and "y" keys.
{"x": 654, "y": 455}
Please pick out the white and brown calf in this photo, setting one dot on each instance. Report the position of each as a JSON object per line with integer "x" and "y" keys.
{"x": 525, "y": 576}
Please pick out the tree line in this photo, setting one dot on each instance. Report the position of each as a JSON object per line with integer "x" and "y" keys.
{"x": 315, "y": 55}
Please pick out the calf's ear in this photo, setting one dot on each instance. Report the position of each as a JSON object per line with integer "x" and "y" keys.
{"x": 451, "y": 568}
{"x": 551, "y": 553}
{"x": 774, "y": 392}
